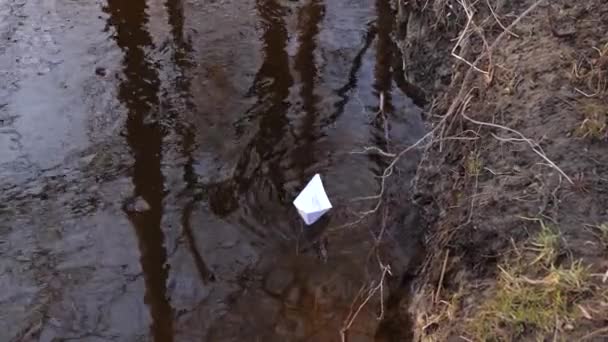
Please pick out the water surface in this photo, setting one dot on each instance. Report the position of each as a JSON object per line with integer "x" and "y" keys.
{"x": 150, "y": 151}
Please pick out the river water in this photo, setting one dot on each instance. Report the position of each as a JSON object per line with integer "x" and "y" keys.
{"x": 149, "y": 154}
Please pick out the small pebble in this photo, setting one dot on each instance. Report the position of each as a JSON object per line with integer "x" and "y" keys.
{"x": 23, "y": 258}
{"x": 278, "y": 281}
{"x": 101, "y": 71}
{"x": 139, "y": 205}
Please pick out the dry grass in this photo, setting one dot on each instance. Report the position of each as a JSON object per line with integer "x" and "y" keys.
{"x": 532, "y": 297}
{"x": 594, "y": 122}
{"x": 545, "y": 244}
{"x": 591, "y": 72}
{"x": 523, "y": 306}
{"x": 473, "y": 165}
{"x": 601, "y": 231}
{"x": 444, "y": 311}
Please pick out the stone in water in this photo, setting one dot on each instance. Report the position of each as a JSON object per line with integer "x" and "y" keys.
{"x": 312, "y": 202}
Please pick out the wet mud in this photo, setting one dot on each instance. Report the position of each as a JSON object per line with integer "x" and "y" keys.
{"x": 149, "y": 154}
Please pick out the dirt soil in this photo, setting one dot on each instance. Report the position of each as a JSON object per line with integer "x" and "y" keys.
{"x": 515, "y": 175}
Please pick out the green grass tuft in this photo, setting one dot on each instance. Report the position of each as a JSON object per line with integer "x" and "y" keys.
{"x": 531, "y": 299}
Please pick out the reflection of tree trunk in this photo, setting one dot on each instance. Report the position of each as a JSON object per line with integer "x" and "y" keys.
{"x": 384, "y": 52}
{"x": 408, "y": 21}
{"x": 175, "y": 10}
{"x": 383, "y": 75}
{"x": 181, "y": 48}
{"x": 394, "y": 326}
{"x": 139, "y": 93}
{"x": 271, "y": 85}
{"x": 351, "y": 83}
{"x": 309, "y": 19}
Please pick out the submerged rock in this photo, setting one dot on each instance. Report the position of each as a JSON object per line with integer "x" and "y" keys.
{"x": 278, "y": 281}
{"x": 137, "y": 205}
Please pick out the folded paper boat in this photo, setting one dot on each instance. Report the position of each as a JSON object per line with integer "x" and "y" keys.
{"x": 312, "y": 202}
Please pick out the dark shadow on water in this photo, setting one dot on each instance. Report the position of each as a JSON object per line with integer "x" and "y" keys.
{"x": 259, "y": 164}
{"x": 396, "y": 325}
{"x": 178, "y": 106}
{"x": 383, "y": 81}
{"x": 309, "y": 18}
{"x": 345, "y": 91}
{"x": 138, "y": 92}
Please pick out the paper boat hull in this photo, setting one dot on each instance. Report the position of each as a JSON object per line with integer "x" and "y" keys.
{"x": 312, "y": 202}
{"x": 310, "y": 218}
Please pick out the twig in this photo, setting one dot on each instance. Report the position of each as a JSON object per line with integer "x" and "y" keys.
{"x": 385, "y": 270}
{"x": 595, "y": 333}
{"x": 381, "y": 106}
{"x": 388, "y": 171}
{"x": 498, "y": 39}
{"x": 585, "y": 312}
{"x": 555, "y": 328}
{"x": 515, "y": 22}
{"x": 498, "y": 21}
{"x": 507, "y": 140}
{"x": 585, "y": 94}
{"x": 535, "y": 147}
{"x": 464, "y": 32}
{"x": 374, "y": 149}
{"x": 350, "y": 319}
{"x": 440, "y": 284}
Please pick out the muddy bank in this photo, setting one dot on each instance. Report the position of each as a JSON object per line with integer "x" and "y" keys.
{"x": 513, "y": 179}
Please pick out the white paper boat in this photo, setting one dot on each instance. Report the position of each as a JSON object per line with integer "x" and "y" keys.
{"x": 312, "y": 202}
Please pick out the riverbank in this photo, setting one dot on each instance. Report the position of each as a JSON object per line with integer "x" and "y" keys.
{"x": 514, "y": 179}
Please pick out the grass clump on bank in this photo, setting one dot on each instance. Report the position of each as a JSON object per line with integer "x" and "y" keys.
{"x": 594, "y": 123}
{"x": 601, "y": 232}
{"x": 532, "y": 296}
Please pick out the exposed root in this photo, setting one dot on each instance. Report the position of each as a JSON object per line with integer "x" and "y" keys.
{"x": 463, "y": 34}
{"x": 372, "y": 288}
{"x": 499, "y": 22}
{"x": 596, "y": 333}
{"x": 375, "y": 150}
{"x": 352, "y": 315}
{"x": 533, "y": 145}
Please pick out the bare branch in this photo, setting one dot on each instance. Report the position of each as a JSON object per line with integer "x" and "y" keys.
{"x": 535, "y": 147}
{"x": 374, "y": 150}
{"x": 498, "y": 21}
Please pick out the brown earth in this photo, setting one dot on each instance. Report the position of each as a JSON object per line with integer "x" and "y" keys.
{"x": 515, "y": 176}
